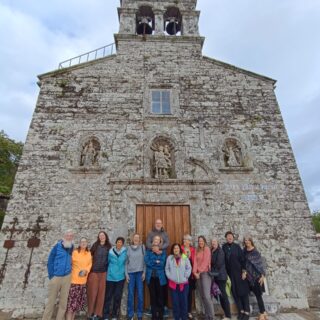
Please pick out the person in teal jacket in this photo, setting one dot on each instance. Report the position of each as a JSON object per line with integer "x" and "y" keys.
{"x": 155, "y": 260}
{"x": 115, "y": 279}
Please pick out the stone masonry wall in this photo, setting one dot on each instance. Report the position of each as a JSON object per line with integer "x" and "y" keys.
{"x": 109, "y": 99}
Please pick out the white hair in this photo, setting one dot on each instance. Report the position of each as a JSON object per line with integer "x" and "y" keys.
{"x": 187, "y": 237}
{"x": 68, "y": 231}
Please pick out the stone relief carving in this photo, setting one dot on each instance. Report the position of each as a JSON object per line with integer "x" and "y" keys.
{"x": 129, "y": 169}
{"x": 232, "y": 153}
{"x": 197, "y": 169}
{"x": 162, "y": 162}
{"x": 90, "y": 153}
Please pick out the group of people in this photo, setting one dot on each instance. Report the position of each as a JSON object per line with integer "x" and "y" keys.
{"x": 94, "y": 278}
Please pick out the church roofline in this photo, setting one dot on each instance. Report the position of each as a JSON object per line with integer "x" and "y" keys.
{"x": 235, "y": 68}
{"x": 215, "y": 61}
{"x": 77, "y": 66}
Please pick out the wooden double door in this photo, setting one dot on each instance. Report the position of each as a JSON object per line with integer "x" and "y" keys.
{"x": 176, "y": 222}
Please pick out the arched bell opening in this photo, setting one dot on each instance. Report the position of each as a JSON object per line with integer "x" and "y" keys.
{"x": 173, "y": 22}
{"x": 145, "y": 21}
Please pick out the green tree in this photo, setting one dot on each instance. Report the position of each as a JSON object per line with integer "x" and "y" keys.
{"x": 316, "y": 220}
{"x": 10, "y": 154}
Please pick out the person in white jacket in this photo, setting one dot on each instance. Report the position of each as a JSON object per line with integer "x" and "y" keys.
{"x": 178, "y": 270}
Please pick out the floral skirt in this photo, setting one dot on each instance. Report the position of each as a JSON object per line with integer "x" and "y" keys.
{"x": 77, "y": 299}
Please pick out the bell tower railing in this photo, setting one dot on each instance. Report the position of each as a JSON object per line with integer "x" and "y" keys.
{"x": 89, "y": 56}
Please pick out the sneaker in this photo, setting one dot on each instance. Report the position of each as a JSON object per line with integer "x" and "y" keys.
{"x": 147, "y": 312}
{"x": 190, "y": 316}
{"x": 166, "y": 312}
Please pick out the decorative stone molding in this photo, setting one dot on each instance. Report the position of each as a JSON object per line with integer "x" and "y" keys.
{"x": 129, "y": 169}
{"x": 199, "y": 170}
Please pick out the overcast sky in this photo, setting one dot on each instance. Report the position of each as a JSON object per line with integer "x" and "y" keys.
{"x": 276, "y": 38}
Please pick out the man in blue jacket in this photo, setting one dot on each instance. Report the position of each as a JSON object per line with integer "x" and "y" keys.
{"x": 59, "y": 272}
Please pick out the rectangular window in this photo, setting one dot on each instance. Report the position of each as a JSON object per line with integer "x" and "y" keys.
{"x": 161, "y": 102}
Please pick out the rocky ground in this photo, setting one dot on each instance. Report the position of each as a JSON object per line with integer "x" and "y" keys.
{"x": 301, "y": 315}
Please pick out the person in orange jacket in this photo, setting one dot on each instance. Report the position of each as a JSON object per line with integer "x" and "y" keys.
{"x": 81, "y": 265}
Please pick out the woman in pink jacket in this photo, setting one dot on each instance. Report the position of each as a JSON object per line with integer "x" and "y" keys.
{"x": 201, "y": 268}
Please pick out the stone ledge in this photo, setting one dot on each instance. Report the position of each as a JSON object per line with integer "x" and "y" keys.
{"x": 150, "y": 181}
{"x": 236, "y": 169}
{"x": 83, "y": 170}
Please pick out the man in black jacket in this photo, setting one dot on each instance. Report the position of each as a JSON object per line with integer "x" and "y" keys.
{"x": 236, "y": 269}
{"x": 218, "y": 271}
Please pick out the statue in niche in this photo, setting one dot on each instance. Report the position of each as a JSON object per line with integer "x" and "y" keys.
{"x": 163, "y": 163}
{"x": 232, "y": 153}
{"x": 90, "y": 154}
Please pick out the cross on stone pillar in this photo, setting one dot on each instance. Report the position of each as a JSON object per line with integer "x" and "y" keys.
{"x": 9, "y": 244}
{"x": 33, "y": 242}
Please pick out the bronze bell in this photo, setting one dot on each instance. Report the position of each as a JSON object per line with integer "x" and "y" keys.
{"x": 173, "y": 27}
{"x": 144, "y": 26}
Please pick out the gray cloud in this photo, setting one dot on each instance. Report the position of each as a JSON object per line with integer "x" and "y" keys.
{"x": 275, "y": 38}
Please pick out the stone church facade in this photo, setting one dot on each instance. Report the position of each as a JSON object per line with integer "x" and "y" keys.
{"x": 157, "y": 123}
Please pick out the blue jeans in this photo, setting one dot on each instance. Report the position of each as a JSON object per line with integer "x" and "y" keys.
{"x": 180, "y": 302}
{"x": 135, "y": 283}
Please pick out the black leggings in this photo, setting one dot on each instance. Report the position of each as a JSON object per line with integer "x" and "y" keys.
{"x": 256, "y": 289}
{"x": 157, "y": 298}
{"x": 243, "y": 303}
{"x": 192, "y": 286}
{"x": 224, "y": 300}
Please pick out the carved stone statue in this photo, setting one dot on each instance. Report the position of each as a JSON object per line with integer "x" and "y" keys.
{"x": 89, "y": 155}
{"x": 232, "y": 153}
{"x": 162, "y": 162}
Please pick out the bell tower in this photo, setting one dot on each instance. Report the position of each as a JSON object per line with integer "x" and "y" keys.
{"x": 158, "y": 19}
